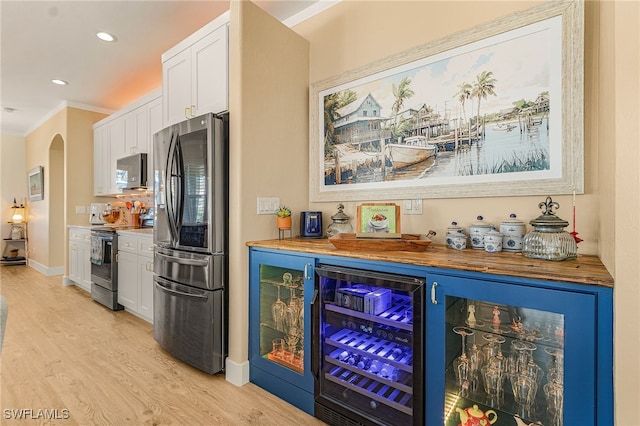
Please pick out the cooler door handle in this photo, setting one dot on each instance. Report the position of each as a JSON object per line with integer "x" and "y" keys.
{"x": 434, "y": 301}
{"x": 315, "y": 344}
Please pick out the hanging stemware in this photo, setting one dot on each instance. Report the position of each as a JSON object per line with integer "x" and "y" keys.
{"x": 462, "y": 364}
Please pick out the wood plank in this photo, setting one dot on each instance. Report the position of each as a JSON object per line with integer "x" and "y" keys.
{"x": 587, "y": 270}
{"x": 63, "y": 351}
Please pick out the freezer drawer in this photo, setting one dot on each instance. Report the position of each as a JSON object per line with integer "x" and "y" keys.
{"x": 189, "y": 324}
{"x": 198, "y": 270}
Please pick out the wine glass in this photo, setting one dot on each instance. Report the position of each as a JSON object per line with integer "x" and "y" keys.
{"x": 462, "y": 364}
{"x": 278, "y": 309}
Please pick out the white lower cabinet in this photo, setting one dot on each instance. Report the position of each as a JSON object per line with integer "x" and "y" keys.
{"x": 135, "y": 274}
{"x": 80, "y": 257}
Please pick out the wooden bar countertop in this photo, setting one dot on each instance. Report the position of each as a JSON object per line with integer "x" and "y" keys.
{"x": 585, "y": 269}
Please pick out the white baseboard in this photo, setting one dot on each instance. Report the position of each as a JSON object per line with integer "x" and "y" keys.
{"x": 46, "y": 270}
{"x": 237, "y": 374}
{"x": 67, "y": 281}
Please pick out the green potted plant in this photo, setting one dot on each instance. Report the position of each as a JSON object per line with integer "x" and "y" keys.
{"x": 284, "y": 217}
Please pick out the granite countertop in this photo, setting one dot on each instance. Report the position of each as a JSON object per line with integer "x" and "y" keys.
{"x": 585, "y": 269}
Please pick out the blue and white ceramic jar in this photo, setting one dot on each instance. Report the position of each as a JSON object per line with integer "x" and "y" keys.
{"x": 513, "y": 231}
{"x": 477, "y": 231}
{"x": 493, "y": 241}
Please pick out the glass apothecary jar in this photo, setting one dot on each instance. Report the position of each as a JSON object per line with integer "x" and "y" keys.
{"x": 548, "y": 240}
{"x": 340, "y": 224}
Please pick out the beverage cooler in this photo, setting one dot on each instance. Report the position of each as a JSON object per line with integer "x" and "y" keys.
{"x": 368, "y": 347}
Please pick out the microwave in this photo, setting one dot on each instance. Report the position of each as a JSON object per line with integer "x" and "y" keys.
{"x": 131, "y": 172}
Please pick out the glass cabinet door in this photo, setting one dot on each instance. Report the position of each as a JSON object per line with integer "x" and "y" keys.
{"x": 512, "y": 355}
{"x": 280, "y": 317}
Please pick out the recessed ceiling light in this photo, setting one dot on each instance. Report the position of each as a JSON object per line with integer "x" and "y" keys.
{"x": 59, "y": 82}
{"x": 106, "y": 36}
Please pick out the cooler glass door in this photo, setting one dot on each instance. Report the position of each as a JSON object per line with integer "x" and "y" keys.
{"x": 371, "y": 346}
{"x": 509, "y": 353}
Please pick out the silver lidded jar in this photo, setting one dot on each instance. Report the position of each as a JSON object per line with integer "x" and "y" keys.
{"x": 340, "y": 224}
{"x": 548, "y": 240}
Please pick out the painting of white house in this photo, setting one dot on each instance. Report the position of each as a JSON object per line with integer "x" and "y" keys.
{"x": 487, "y": 111}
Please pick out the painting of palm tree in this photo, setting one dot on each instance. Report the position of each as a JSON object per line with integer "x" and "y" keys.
{"x": 485, "y": 112}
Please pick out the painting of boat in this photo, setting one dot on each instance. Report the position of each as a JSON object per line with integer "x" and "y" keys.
{"x": 411, "y": 150}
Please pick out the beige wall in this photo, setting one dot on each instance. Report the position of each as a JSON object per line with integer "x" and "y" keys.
{"x": 619, "y": 246}
{"x": 340, "y": 43}
{"x": 607, "y": 214}
{"x": 268, "y": 142}
{"x": 63, "y": 145}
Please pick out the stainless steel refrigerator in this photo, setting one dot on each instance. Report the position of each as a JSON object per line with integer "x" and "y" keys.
{"x": 191, "y": 238}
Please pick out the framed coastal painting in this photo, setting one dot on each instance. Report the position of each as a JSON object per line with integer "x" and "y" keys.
{"x": 35, "y": 180}
{"x": 496, "y": 110}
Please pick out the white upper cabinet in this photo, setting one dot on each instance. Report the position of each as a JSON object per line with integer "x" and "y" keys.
{"x": 195, "y": 74}
{"x": 117, "y": 146}
{"x": 101, "y": 160}
{"x": 155, "y": 125}
{"x": 136, "y": 131}
{"x": 127, "y": 132}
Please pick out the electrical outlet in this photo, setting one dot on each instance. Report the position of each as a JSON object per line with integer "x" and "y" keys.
{"x": 268, "y": 205}
{"x": 80, "y": 210}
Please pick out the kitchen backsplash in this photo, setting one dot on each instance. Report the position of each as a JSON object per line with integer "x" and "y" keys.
{"x": 125, "y": 200}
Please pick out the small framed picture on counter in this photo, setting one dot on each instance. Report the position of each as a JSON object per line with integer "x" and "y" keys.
{"x": 378, "y": 218}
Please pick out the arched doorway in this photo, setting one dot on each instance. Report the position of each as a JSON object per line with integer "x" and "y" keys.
{"x": 56, "y": 201}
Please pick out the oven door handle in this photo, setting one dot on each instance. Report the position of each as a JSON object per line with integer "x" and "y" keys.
{"x": 159, "y": 284}
{"x": 183, "y": 261}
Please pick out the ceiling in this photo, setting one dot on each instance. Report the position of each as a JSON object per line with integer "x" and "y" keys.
{"x": 45, "y": 40}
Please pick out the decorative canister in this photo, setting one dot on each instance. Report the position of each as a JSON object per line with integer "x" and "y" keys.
{"x": 513, "y": 231}
{"x": 459, "y": 241}
{"x": 452, "y": 231}
{"x": 477, "y": 231}
{"x": 548, "y": 240}
{"x": 340, "y": 223}
{"x": 493, "y": 241}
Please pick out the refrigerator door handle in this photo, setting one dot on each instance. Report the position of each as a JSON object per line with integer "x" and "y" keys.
{"x": 169, "y": 188}
{"x": 183, "y": 261}
{"x": 159, "y": 283}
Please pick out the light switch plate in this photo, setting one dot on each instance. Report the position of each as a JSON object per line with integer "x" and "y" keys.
{"x": 268, "y": 205}
{"x": 412, "y": 206}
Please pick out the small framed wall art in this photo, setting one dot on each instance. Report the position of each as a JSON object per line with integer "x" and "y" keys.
{"x": 35, "y": 179}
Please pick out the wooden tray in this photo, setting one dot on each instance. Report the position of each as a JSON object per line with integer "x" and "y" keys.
{"x": 406, "y": 242}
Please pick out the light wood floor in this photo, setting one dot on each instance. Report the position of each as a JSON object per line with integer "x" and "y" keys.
{"x": 62, "y": 351}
